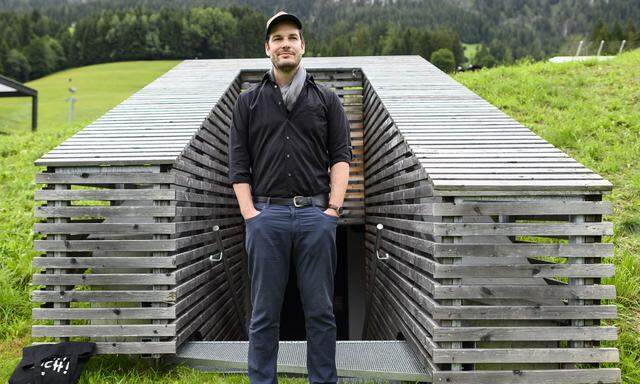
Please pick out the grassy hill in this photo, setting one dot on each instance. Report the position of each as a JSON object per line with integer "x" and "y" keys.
{"x": 590, "y": 110}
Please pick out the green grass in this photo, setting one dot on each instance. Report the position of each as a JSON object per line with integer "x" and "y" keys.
{"x": 591, "y": 111}
{"x": 99, "y": 88}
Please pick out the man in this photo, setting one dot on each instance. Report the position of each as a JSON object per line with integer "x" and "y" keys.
{"x": 286, "y": 133}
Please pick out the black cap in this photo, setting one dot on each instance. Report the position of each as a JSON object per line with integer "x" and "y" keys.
{"x": 278, "y": 18}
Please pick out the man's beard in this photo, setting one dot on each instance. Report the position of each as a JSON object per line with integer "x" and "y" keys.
{"x": 285, "y": 67}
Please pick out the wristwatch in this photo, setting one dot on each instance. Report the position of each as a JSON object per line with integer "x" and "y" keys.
{"x": 336, "y": 208}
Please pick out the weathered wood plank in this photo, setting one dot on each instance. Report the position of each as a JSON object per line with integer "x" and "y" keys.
{"x": 524, "y": 333}
{"x": 499, "y": 208}
{"x": 103, "y": 313}
{"x": 105, "y": 178}
{"x": 534, "y": 270}
{"x": 568, "y": 376}
{"x": 132, "y": 348}
{"x": 524, "y": 249}
{"x": 527, "y": 355}
{"x": 110, "y": 194}
{"x": 523, "y": 312}
{"x": 104, "y": 279}
{"x": 104, "y": 262}
{"x": 103, "y": 330}
{"x": 524, "y": 292}
{"x": 168, "y": 296}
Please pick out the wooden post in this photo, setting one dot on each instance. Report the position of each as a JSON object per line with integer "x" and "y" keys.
{"x": 58, "y": 271}
{"x": 34, "y": 113}
{"x": 160, "y": 203}
{"x": 452, "y": 260}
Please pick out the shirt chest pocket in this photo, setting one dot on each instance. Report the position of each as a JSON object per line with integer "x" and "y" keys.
{"x": 316, "y": 111}
{"x": 266, "y": 121}
{"x": 314, "y": 120}
{"x": 312, "y": 125}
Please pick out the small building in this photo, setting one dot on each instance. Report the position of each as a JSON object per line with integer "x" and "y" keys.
{"x": 12, "y": 88}
{"x": 467, "y": 238}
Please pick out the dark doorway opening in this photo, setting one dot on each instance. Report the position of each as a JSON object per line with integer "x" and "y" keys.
{"x": 348, "y": 301}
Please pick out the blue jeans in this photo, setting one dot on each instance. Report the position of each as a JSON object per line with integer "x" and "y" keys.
{"x": 306, "y": 237}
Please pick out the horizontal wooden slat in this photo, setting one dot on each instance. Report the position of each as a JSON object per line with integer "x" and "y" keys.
{"x": 104, "y": 262}
{"x": 103, "y": 330}
{"x": 104, "y": 296}
{"x": 499, "y": 208}
{"x": 527, "y": 250}
{"x": 111, "y": 194}
{"x": 523, "y": 312}
{"x": 527, "y": 355}
{"x": 104, "y": 279}
{"x": 534, "y": 270}
{"x": 525, "y": 292}
{"x": 104, "y": 245}
{"x": 526, "y": 376}
{"x": 102, "y": 313}
{"x": 149, "y": 347}
{"x": 524, "y": 333}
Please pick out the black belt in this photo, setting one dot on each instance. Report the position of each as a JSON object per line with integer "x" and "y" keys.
{"x": 320, "y": 200}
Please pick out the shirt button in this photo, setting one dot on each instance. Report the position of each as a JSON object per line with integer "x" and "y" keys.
{"x": 289, "y": 174}
{"x": 288, "y": 156}
{"x": 279, "y": 103}
{"x": 287, "y": 137}
{"x": 275, "y": 86}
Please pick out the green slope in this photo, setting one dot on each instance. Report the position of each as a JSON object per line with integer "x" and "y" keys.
{"x": 99, "y": 88}
{"x": 591, "y": 111}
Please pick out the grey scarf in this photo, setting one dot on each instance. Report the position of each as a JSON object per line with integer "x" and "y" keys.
{"x": 291, "y": 91}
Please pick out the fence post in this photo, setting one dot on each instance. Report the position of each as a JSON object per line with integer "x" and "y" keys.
{"x": 600, "y": 47}
{"x": 621, "y": 46}
{"x": 579, "y": 48}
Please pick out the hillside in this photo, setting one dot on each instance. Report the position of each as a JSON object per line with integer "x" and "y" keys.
{"x": 99, "y": 88}
{"x": 590, "y": 110}
{"x": 512, "y": 28}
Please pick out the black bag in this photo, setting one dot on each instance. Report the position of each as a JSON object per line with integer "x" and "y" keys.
{"x": 60, "y": 363}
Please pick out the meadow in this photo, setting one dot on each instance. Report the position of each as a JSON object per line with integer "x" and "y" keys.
{"x": 590, "y": 110}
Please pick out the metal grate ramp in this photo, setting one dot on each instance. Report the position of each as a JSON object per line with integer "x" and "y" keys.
{"x": 391, "y": 360}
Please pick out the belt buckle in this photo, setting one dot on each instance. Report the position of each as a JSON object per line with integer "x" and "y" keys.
{"x": 296, "y": 204}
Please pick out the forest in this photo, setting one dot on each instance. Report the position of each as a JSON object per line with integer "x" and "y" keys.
{"x": 38, "y": 37}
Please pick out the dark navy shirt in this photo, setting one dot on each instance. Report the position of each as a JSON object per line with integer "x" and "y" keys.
{"x": 284, "y": 154}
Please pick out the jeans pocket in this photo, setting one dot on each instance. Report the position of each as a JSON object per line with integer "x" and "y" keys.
{"x": 325, "y": 214}
{"x": 262, "y": 208}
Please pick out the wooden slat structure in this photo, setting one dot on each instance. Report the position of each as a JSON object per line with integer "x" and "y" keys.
{"x": 494, "y": 236}
{"x": 13, "y": 88}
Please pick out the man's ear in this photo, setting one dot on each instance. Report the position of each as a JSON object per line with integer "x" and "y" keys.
{"x": 303, "y": 46}
{"x": 266, "y": 48}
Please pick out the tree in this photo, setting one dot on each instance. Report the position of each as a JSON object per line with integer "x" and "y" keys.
{"x": 443, "y": 59}
{"x": 44, "y": 55}
{"x": 632, "y": 37}
{"x": 600, "y": 32}
{"x": 617, "y": 34}
{"x": 4, "y": 49}
{"x": 392, "y": 42}
{"x": 208, "y": 32}
{"x": 362, "y": 43}
{"x": 17, "y": 66}
{"x": 250, "y": 41}
{"x": 483, "y": 58}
